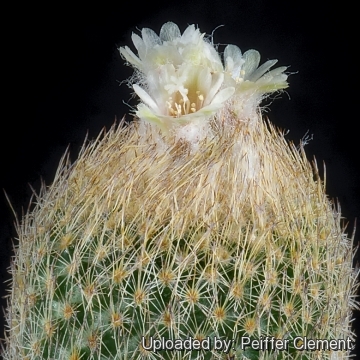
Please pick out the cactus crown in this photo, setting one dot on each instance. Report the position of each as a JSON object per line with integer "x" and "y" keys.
{"x": 148, "y": 237}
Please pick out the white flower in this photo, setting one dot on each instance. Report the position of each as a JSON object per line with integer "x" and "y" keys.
{"x": 182, "y": 80}
{"x": 252, "y": 82}
{"x": 182, "y": 76}
{"x": 248, "y": 76}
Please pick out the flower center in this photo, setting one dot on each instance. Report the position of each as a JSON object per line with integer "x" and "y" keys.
{"x": 179, "y": 104}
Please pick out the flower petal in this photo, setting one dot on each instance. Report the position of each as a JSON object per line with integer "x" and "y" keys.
{"x": 144, "y": 113}
{"x": 276, "y": 72}
{"x": 150, "y": 37}
{"x": 204, "y": 80}
{"x": 169, "y": 32}
{"x": 130, "y": 57}
{"x": 190, "y": 35}
{"x": 260, "y": 71}
{"x": 145, "y": 97}
{"x": 138, "y": 41}
{"x": 232, "y": 57}
{"x": 223, "y": 95}
{"x": 252, "y": 60}
{"x": 217, "y": 81}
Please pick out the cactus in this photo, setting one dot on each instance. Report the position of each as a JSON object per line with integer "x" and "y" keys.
{"x": 196, "y": 225}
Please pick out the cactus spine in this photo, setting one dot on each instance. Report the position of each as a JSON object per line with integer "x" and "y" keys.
{"x": 159, "y": 233}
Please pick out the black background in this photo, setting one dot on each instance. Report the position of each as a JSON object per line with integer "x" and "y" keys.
{"x": 62, "y": 77}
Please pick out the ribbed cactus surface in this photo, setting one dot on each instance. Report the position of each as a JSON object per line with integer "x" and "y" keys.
{"x": 147, "y": 238}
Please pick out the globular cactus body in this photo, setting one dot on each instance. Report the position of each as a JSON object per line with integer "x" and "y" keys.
{"x": 151, "y": 236}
